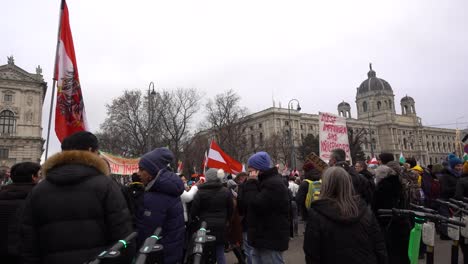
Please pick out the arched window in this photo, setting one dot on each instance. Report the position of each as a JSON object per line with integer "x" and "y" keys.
{"x": 364, "y": 106}
{"x": 7, "y": 122}
{"x": 406, "y": 109}
{"x": 379, "y": 105}
{"x": 405, "y": 146}
{"x": 412, "y": 109}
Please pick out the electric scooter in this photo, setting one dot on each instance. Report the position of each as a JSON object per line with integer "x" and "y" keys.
{"x": 453, "y": 232}
{"x": 151, "y": 252}
{"x": 113, "y": 252}
{"x": 415, "y": 236}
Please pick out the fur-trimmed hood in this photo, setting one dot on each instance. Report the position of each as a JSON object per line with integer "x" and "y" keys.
{"x": 68, "y": 167}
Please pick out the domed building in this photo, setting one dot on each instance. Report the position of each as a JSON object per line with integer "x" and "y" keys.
{"x": 379, "y": 126}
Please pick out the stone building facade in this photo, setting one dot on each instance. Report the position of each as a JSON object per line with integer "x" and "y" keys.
{"x": 385, "y": 129}
{"x": 21, "y": 99}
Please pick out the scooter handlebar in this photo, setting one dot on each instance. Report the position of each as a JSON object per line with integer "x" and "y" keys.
{"x": 117, "y": 246}
{"x": 432, "y": 217}
{"x": 452, "y": 205}
{"x": 423, "y": 209}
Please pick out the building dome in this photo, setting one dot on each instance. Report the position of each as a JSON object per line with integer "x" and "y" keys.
{"x": 344, "y": 104}
{"x": 373, "y": 83}
{"x": 407, "y": 99}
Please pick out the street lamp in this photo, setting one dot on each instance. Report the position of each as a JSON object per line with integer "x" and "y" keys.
{"x": 293, "y": 154}
{"x": 370, "y": 136}
{"x": 151, "y": 92}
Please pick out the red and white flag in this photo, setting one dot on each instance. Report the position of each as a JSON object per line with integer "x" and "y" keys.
{"x": 219, "y": 160}
{"x": 205, "y": 161}
{"x": 70, "y": 114}
{"x": 180, "y": 167}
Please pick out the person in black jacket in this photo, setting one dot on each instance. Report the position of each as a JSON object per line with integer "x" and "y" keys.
{"x": 24, "y": 175}
{"x": 267, "y": 201}
{"x": 213, "y": 204}
{"x": 312, "y": 174}
{"x": 361, "y": 185}
{"x": 389, "y": 194}
{"x": 77, "y": 211}
{"x": 341, "y": 227}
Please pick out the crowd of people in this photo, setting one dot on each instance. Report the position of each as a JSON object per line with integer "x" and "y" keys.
{"x": 69, "y": 209}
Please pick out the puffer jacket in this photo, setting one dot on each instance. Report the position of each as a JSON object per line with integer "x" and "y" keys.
{"x": 267, "y": 204}
{"x": 75, "y": 213}
{"x": 333, "y": 239}
{"x": 213, "y": 204}
{"x": 162, "y": 207}
{"x": 12, "y": 199}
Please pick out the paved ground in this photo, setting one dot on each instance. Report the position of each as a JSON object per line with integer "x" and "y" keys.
{"x": 296, "y": 255}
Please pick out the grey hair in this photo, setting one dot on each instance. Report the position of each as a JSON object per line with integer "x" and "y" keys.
{"x": 338, "y": 154}
{"x": 337, "y": 186}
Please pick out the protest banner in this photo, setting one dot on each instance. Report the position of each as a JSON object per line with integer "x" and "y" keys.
{"x": 318, "y": 163}
{"x": 119, "y": 165}
{"x": 333, "y": 134}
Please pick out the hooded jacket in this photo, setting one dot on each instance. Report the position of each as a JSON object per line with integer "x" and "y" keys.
{"x": 162, "y": 207}
{"x": 75, "y": 213}
{"x": 332, "y": 239}
{"x": 266, "y": 201}
{"x": 389, "y": 193}
{"x": 448, "y": 183}
{"x": 12, "y": 199}
{"x": 213, "y": 204}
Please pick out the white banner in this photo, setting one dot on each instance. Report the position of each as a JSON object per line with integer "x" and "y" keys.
{"x": 333, "y": 134}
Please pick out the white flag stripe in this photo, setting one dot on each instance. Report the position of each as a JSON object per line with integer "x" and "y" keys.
{"x": 215, "y": 155}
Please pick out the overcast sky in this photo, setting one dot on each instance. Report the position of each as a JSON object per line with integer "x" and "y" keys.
{"x": 315, "y": 51}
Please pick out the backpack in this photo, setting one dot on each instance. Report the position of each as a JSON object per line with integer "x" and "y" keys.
{"x": 313, "y": 192}
{"x": 411, "y": 189}
{"x": 435, "y": 189}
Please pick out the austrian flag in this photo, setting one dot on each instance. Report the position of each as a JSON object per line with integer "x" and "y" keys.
{"x": 70, "y": 114}
{"x": 218, "y": 159}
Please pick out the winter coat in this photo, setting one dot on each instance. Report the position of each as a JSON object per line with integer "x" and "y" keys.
{"x": 333, "y": 239}
{"x": 462, "y": 188}
{"x": 75, "y": 213}
{"x": 389, "y": 194}
{"x": 186, "y": 198}
{"x": 361, "y": 185}
{"x": 162, "y": 207}
{"x": 267, "y": 203}
{"x": 313, "y": 175}
{"x": 448, "y": 183}
{"x": 213, "y": 204}
{"x": 12, "y": 199}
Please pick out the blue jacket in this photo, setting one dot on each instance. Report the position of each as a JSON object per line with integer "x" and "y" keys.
{"x": 162, "y": 207}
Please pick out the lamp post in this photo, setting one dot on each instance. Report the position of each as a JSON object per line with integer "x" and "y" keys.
{"x": 370, "y": 136}
{"x": 151, "y": 92}
{"x": 293, "y": 154}
{"x": 458, "y": 145}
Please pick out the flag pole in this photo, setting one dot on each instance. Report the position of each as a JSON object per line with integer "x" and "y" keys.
{"x": 54, "y": 78}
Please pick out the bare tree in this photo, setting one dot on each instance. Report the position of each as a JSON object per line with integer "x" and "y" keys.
{"x": 227, "y": 120}
{"x": 309, "y": 144}
{"x": 194, "y": 153}
{"x": 356, "y": 137}
{"x": 177, "y": 112}
{"x": 129, "y": 127}
{"x": 279, "y": 147}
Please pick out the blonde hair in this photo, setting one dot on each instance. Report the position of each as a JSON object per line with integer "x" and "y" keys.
{"x": 337, "y": 186}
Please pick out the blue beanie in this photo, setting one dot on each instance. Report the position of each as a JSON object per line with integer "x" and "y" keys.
{"x": 156, "y": 160}
{"x": 454, "y": 161}
{"x": 260, "y": 161}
